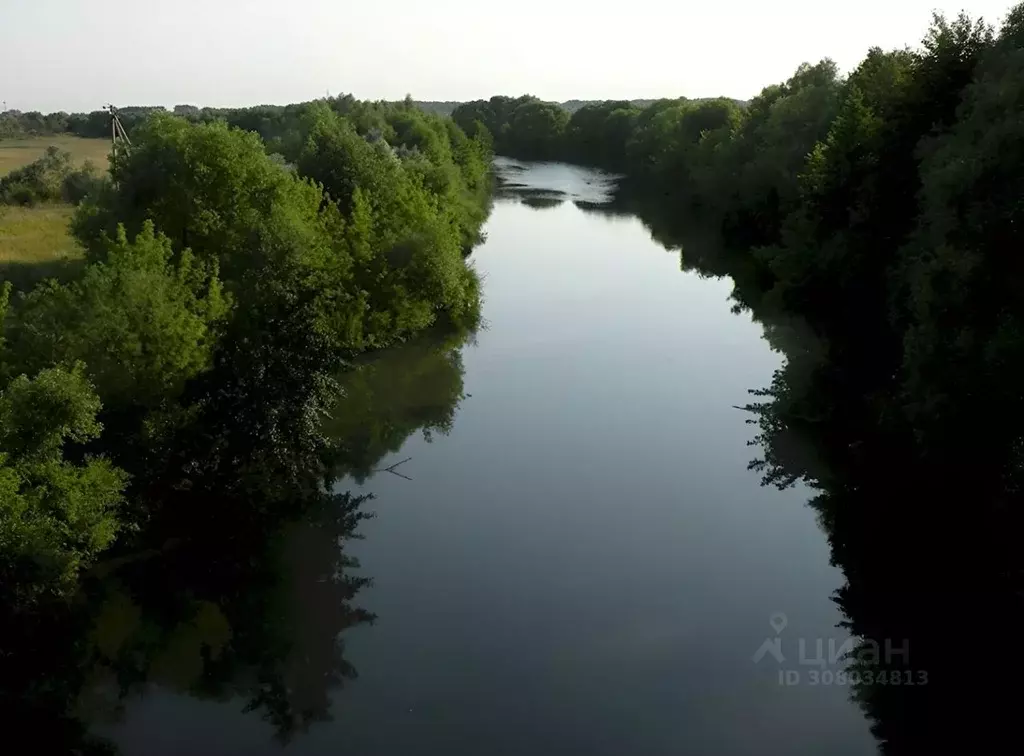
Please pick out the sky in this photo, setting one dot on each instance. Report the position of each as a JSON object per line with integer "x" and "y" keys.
{"x": 75, "y": 55}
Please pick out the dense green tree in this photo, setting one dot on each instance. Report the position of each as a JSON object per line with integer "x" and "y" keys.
{"x": 56, "y": 515}
{"x": 141, "y": 321}
{"x": 51, "y": 178}
{"x": 405, "y": 245}
{"x": 597, "y": 134}
{"x": 653, "y": 136}
{"x": 758, "y": 179}
{"x": 208, "y": 188}
{"x": 214, "y": 394}
{"x": 535, "y": 130}
{"x": 385, "y": 249}
{"x": 843, "y": 244}
{"x": 962, "y": 315}
{"x": 523, "y": 127}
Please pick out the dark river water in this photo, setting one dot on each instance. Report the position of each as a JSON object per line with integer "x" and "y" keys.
{"x": 572, "y": 556}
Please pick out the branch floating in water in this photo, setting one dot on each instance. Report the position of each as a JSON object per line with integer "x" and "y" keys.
{"x": 392, "y": 470}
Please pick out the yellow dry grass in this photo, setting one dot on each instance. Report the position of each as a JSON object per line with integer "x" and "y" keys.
{"x": 15, "y": 153}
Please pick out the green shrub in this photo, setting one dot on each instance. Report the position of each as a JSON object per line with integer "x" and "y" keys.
{"x": 51, "y": 178}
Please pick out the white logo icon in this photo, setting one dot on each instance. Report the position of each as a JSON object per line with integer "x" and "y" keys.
{"x": 773, "y": 646}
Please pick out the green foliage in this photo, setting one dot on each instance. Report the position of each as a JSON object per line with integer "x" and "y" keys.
{"x": 383, "y": 248}
{"x": 223, "y": 290}
{"x": 781, "y": 127}
{"x": 208, "y": 188}
{"x": 597, "y": 134}
{"x": 55, "y": 516}
{"x": 81, "y": 183}
{"x": 841, "y": 259}
{"x": 231, "y": 276}
{"x": 16, "y": 124}
{"x": 142, "y": 323}
{"x": 51, "y": 178}
{"x": 405, "y": 243}
{"x": 535, "y": 130}
{"x": 523, "y": 127}
{"x": 963, "y": 314}
{"x": 39, "y": 181}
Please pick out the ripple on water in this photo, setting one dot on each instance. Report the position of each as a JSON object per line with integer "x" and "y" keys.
{"x": 549, "y": 184}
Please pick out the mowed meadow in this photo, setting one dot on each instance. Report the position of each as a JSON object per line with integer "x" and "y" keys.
{"x": 34, "y": 241}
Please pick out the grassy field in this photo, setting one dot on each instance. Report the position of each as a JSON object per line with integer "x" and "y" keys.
{"x": 35, "y": 244}
{"x": 35, "y": 234}
{"x": 34, "y": 241}
{"x": 15, "y": 153}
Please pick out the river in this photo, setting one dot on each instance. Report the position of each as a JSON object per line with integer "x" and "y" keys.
{"x": 575, "y": 559}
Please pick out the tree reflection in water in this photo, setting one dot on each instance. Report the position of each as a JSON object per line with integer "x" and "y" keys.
{"x": 238, "y": 586}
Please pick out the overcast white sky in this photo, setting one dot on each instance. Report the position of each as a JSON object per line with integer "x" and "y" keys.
{"x": 78, "y": 54}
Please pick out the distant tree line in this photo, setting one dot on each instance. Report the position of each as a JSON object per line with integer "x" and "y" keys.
{"x": 613, "y": 134}
{"x": 14, "y": 123}
{"x": 96, "y": 124}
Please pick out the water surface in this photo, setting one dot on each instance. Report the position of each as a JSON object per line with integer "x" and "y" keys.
{"x": 577, "y": 559}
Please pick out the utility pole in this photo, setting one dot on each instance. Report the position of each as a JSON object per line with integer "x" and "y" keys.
{"x": 118, "y": 136}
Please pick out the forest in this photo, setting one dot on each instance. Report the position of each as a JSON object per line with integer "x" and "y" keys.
{"x": 227, "y": 270}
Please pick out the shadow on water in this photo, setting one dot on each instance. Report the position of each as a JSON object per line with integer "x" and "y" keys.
{"x": 543, "y": 203}
{"x": 251, "y": 615}
{"x": 538, "y": 199}
{"x": 613, "y": 209}
{"x": 927, "y": 540}
{"x": 925, "y": 527}
{"x": 237, "y": 586}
